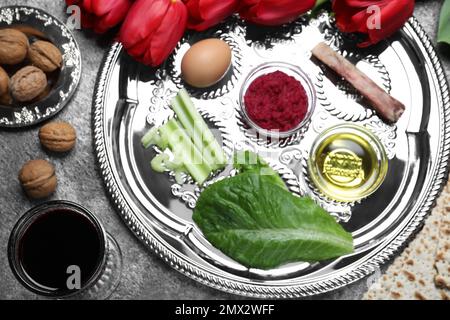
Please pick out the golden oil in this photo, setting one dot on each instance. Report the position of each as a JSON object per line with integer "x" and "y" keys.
{"x": 347, "y": 163}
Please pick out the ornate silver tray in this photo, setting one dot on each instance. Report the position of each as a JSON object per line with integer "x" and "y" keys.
{"x": 67, "y": 82}
{"x": 130, "y": 98}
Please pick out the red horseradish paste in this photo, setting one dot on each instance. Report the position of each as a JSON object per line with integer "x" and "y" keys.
{"x": 276, "y": 101}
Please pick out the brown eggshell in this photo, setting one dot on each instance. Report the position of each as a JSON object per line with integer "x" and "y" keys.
{"x": 206, "y": 62}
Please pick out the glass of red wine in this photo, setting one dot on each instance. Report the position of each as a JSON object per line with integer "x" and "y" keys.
{"x": 60, "y": 250}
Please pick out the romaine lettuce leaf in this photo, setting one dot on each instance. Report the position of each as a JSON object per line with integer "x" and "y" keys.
{"x": 262, "y": 225}
{"x": 444, "y": 24}
{"x": 245, "y": 161}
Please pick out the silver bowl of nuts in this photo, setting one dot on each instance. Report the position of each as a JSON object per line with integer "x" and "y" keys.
{"x": 40, "y": 66}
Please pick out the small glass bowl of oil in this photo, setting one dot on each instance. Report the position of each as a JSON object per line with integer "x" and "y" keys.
{"x": 347, "y": 163}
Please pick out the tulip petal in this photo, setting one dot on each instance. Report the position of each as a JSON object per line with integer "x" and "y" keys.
{"x": 193, "y": 7}
{"x": 101, "y": 15}
{"x": 204, "y": 14}
{"x": 152, "y": 29}
{"x": 392, "y": 19}
{"x": 214, "y": 10}
{"x": 113, "y": 17}
{"x": 143, "y": 19}
{"x": 169, "y": 32}
{"x": 73, "y": 2}
{"x": 274, "y": 12}
{"x": 354, "y": 15}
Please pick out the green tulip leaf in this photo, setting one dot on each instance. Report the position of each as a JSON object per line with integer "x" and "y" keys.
{"x": 319, "y": 3}
{"x": 444, "y": 24}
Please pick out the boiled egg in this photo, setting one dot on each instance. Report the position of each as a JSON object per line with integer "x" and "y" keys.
{"x": 206, "y": 63}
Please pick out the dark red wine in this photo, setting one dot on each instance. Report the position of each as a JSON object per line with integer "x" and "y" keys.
{"x": 55, "y": 240}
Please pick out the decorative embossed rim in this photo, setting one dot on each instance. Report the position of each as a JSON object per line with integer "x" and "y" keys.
{"x": 197, "y": 273}
{"x": 32, "y": 114}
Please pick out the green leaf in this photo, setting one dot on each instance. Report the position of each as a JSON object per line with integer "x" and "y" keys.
{"x": 444, "y": 24}
{"x": 320, "y": 3}
{"x": 261, "y": 225}
{"x": 245, "y": 161}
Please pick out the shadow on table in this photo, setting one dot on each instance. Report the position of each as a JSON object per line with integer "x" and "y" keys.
{"x": 444, "y": 52}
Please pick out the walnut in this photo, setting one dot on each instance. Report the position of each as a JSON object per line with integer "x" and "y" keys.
{"x": 58, "y": 136}
{"x": 38, "y": 178}
{"x": 28, "y": 83}
{"x": 4, "y": 82}
{"x": 45, "y": 56}
{"x": 6, "y": 99}
{"x": 13, "y": 46}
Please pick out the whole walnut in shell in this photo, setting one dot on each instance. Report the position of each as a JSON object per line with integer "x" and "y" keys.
{"x": 6, "y": 99}
{"x": 38, "y": 178}
{"x": 28, "y": 83}
{"x": 58, "y": 136}
{"x": 13, "y": 46}
{"x": 45, "y": 56}
{"x": 4, "y": 82}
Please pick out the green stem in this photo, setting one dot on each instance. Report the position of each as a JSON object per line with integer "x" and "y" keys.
{"x": 158, "y": 162}
{"x": 319, "y": 3}
{"x": 188, "y": 121}
{"x": 183, "y": 147}
{"x": 198, "y": 130}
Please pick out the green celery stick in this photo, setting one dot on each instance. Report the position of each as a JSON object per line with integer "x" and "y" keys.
{"x": 189, "y": 155}
{"x": 196, "y": 136}
{"x": 158, "y": 162}
{"x": 198, "y": 130}
{"x": 152, "y": 137}
{"x": 179, "y": 176}
{"x": 201, "y": 126}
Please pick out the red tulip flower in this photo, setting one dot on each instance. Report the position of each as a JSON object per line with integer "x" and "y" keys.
{"x": 274, "y": 12}
{"x": 152, "y": 29}
{"x": 377, "y": 19}
{"x": 204, "y": 14}
{"x": 101, "y": 15}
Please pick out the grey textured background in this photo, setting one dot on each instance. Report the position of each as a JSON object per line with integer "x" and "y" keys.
{"x": 144, "y": 275}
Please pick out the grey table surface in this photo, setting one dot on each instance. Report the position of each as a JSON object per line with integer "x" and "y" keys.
{"x": 144, "y": 275}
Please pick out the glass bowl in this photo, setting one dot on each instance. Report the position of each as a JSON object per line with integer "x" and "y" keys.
{"x": 347, "y": 163}
{"x": 291, "y": 70}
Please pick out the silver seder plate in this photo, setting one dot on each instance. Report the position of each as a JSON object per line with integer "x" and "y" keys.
{"x": 130, "y": 98}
